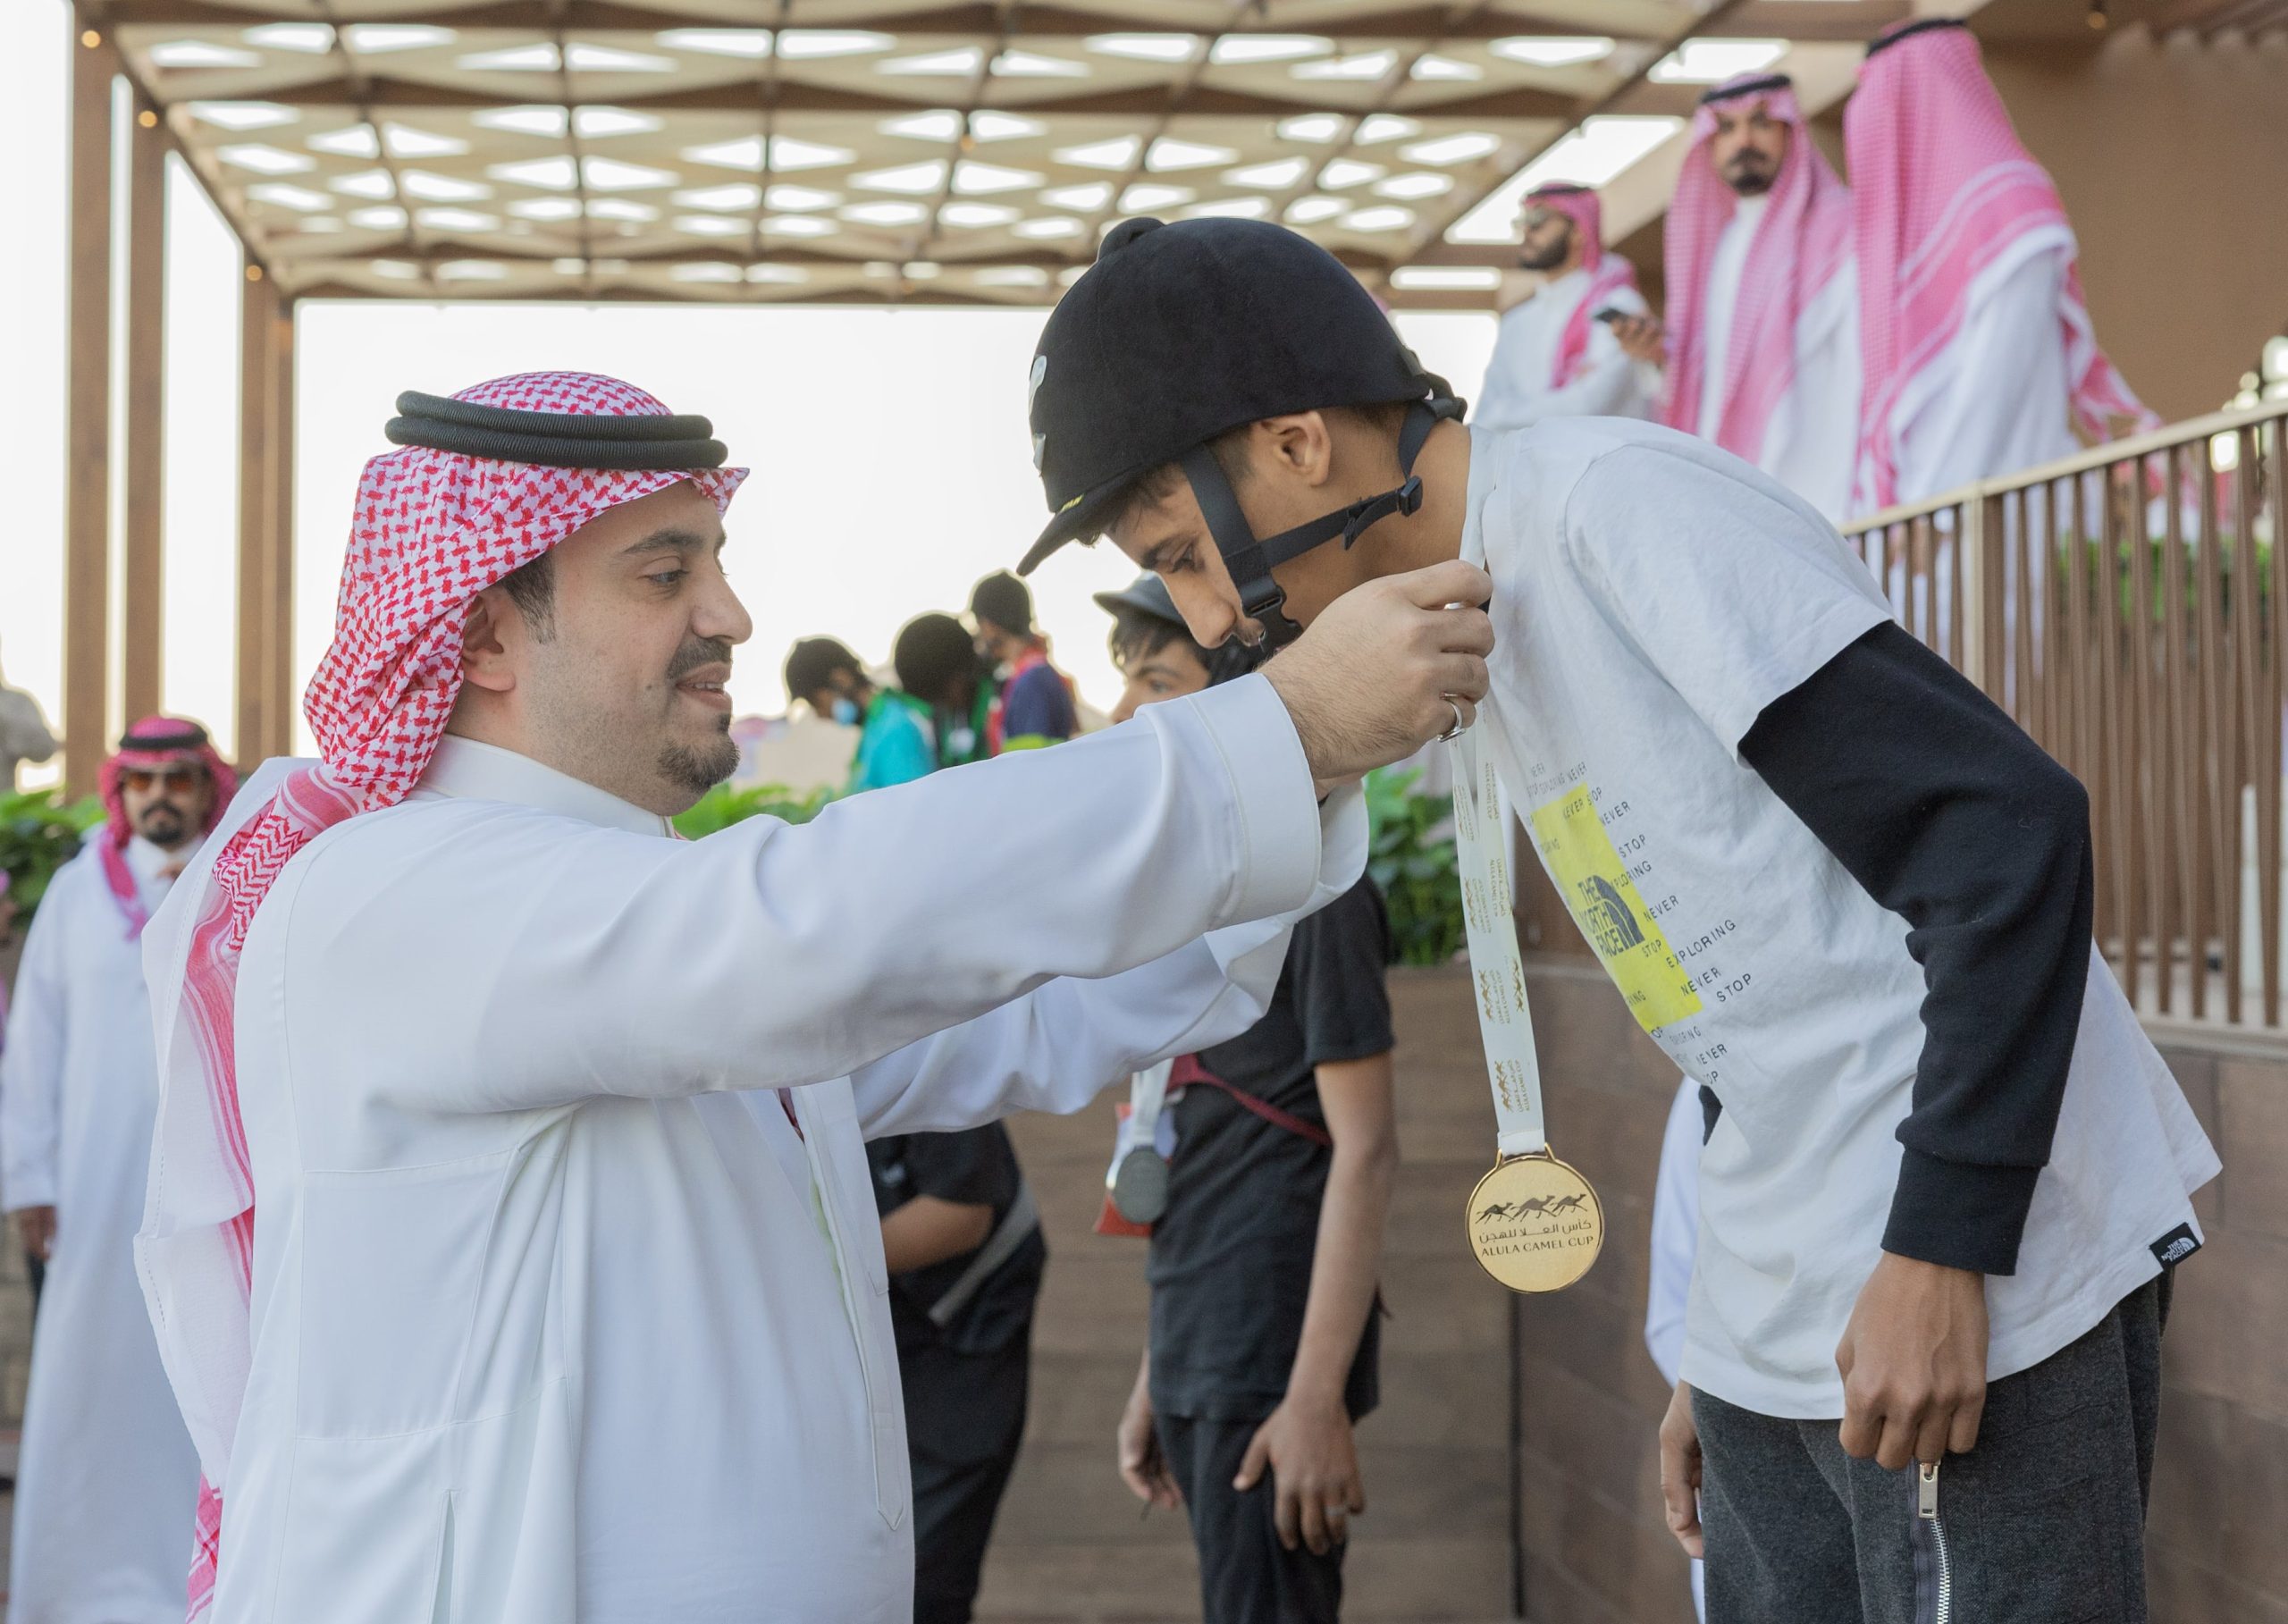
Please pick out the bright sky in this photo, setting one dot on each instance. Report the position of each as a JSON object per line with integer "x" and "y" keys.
{"x": 889, "y": 448}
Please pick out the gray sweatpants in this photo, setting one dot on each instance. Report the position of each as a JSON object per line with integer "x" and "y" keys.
{"x": 2042, "y": 1523}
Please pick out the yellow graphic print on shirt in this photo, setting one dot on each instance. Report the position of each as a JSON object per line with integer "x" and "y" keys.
{"x": 1602, "y": 899}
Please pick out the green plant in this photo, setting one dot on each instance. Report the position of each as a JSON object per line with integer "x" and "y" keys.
{"x": 1410, "y": 855}
{"x": 724, "y": 805}
{"x": 39, "y": 833}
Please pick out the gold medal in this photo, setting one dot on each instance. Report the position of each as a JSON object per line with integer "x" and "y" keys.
{"x": 1535, "y": 1223}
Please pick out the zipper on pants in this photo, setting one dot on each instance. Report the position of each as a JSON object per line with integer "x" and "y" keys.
{"x": 1934, "y": 1571}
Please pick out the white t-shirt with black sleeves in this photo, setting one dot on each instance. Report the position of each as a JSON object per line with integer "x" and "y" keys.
{"x": 1652, "y": 594}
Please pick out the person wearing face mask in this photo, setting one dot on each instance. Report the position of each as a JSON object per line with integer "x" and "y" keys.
{"x": 894, "y": 744}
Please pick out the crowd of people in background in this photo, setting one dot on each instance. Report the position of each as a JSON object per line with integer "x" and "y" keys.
{"x": 1248, "y": 1390}
{"x": 1865, "y": 344}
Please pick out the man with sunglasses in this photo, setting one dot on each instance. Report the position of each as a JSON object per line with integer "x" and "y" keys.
{"x": 1585, "y": 343}
{"x": 108, "y": 1477}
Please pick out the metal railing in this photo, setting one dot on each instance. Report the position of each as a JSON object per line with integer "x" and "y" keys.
{"x": 2123, "y": 606}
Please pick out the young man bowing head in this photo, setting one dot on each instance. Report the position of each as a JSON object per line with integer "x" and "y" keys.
{"x": 485, "y": 1292}
{"x": 1949, "y": 1175}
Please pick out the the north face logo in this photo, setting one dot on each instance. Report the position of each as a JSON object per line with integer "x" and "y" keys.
{"x": 2177, "y": 1246}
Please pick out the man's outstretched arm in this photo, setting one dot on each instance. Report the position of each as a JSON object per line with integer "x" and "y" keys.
{"x": 769, "y": 956}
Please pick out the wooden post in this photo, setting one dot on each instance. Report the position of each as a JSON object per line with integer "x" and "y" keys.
{"x": 86, "y": 487}
{"x": 279, "y": 715}
{"x": 143, "y": 621}
{"x": 258, "y": 515}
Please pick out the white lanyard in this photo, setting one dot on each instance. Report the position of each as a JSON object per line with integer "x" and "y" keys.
{"x": 1147, "y": 1092}
{"x": 1497, "y": 971}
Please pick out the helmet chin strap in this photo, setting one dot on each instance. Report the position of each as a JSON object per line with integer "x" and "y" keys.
{"x": 1250, "y": 561}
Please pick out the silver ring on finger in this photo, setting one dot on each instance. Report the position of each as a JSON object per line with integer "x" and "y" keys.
{"x": 1454, "y": 732}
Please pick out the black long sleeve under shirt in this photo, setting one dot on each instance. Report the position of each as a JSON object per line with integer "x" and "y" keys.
{"x": 1937, "y": 803}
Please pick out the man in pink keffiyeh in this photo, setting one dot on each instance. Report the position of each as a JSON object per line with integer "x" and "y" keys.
{"x": 510, "y": 1240}
{"x": 1561, "y": 351}
{"x": 1980, "y": 357}
{"x": 107, "y": 1479}
{"x": 1761, "y": 312}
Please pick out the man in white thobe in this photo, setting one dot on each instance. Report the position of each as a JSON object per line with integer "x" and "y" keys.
{"x": 1979, "y": 353}
{"x": 1559, "y": 352}
{"x": 107, "y": 1476}
{"x": 1763, "y": 328}
{"x": 510, "y": 1234}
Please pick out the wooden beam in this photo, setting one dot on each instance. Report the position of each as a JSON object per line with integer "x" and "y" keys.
{"x": 1387, "y": 22}
{"x": 279, "y": 466}
{"x": 736, "y": 254}
{"x": 1808, "y": 19}
{"x": 753, "y": 96}
{"x": 1439, "y": 298}
{"x": 258, "y": 514}
{"x": 86, "y": 479}
{"x": 1646, "y": 98}
{"x": 143, "y": 622}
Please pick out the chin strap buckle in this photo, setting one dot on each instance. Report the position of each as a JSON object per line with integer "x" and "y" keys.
{"x": 1360, "y": 517}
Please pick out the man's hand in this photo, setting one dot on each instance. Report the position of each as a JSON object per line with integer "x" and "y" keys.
{"x": 36, "y": 1226}
{"x": 1142, "y": 1467}
{"x": 1371, "y": 680}
{"x": 1914, "y": 1363}
{"x": 1314, "y": 1463}
{"x": 1680, "y": 1472}
{"x": 1642, "y": 339}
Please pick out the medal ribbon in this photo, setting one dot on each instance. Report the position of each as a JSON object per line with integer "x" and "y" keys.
{"x": 1482, "y": 843}
{"x": 1147, "y": 1092}
{"x": 1497, "y": 971}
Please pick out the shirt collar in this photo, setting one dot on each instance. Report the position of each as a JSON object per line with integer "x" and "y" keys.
{"x": 469, "y": 771}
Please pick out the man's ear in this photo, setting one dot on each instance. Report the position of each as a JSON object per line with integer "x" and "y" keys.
{"x": 1300, "y": 443}
{"x": 485, "y": 655}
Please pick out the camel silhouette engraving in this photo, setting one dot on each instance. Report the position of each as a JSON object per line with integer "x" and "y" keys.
{"x": 1539, "y": 1207}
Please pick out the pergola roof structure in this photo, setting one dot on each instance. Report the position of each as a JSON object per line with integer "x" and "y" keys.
{"x": 861, "y": 150}
{"x": 848, "y": 151}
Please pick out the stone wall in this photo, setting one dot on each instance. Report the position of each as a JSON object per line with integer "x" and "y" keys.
{"x": 1597, "y": 1549}
{"x": 2215, "y": 1549}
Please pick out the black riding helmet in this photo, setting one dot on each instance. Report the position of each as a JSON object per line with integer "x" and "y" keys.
{"x": 1179, "y": 333}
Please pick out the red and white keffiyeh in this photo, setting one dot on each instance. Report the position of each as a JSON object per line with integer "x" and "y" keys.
{"x": 1802, "y": 242}
{"x": 1608, "y": 274}
{"x": 432, "y": 530}
{"x": 1949, "y": 200}
{"x": 153, "y": 744}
